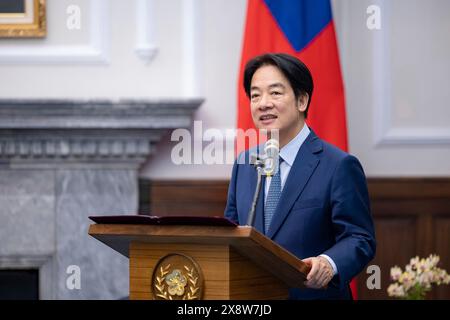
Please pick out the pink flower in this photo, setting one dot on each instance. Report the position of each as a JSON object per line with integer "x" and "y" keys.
{"x": 418, "y": 278}
{"x": 396, "y": 290}
{"x": 395, "y": 273}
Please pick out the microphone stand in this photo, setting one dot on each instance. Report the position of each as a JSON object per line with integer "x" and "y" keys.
{"x": 259, "y": 170}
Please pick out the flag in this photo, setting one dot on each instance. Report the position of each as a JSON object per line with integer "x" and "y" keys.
{"x": 305, "y": 29}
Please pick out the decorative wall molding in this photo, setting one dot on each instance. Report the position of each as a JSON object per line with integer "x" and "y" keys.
{"x": 384, "y": 131}
{"x": 146, "y": 48}
{"x": 75, "y": 149}
{"x": 95, "y": 52}
{"x": 191, "y": 48}
{"x": 86, "y": 133}
{"x": 415, "y": 136}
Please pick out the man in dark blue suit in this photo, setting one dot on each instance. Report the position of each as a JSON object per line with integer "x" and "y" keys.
{"x": 317, "y": 204}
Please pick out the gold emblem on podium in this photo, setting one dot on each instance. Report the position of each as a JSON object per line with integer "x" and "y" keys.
{"x": 177, "y": 277}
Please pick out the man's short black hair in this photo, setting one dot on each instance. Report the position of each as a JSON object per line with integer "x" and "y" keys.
{"x": 294, "y": 70}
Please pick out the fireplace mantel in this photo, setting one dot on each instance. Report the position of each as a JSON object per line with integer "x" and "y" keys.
{"x": 62, "y": 161}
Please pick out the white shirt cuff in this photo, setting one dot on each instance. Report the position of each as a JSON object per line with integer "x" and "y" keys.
{"x": 333, "y": 265}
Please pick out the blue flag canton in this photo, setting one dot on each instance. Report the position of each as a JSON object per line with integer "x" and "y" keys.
{"x": 300, "y": 20}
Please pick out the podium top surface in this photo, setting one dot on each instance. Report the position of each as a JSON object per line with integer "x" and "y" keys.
{"x": 164, "y": 220}
{"x": 246, "y": 240}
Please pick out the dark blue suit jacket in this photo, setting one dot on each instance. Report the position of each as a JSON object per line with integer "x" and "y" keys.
{"x": 324, "y": 209}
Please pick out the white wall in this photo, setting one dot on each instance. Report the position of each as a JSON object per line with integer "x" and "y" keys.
{"x": 396, "y": 78}
{"x": 396, "y": 83}
{"x": 220, "y": 38}
{"x": 122, "y": 74}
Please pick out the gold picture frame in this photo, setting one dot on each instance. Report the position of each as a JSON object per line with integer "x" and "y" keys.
{"x": 29, "y": 22}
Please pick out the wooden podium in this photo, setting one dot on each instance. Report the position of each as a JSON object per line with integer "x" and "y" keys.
{"x": 218, "y": 262}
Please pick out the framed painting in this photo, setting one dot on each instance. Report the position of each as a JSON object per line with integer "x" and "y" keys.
{"x": 22, "y": 18}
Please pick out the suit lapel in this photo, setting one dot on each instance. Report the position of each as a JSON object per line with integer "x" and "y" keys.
{"x": 303, "y": 167}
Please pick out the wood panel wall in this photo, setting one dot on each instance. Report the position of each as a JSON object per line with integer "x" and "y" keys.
{"x": 411, "y": 215}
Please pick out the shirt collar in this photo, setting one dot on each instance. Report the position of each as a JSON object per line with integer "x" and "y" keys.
{"x": 289, "y": 151}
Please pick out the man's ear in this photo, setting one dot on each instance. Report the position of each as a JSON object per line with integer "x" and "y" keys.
{"x": 302, "y": 102}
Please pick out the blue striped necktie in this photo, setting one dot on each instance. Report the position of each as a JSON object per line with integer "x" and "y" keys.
{"x": 272, "y": 198}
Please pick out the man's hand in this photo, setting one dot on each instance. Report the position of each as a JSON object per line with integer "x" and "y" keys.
{"x": 320, "y": 274}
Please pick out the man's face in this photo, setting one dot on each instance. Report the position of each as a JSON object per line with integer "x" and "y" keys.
{"x": 273, "y": 103}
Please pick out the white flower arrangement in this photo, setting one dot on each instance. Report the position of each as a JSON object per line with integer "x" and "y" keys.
{"x": 417, "y": 279}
